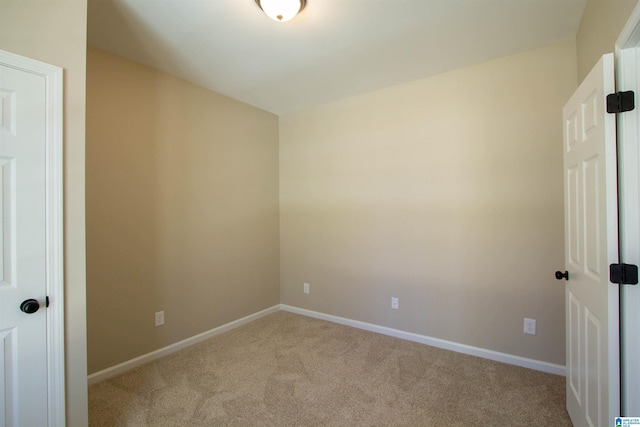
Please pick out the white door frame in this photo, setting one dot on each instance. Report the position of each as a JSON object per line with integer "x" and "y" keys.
{"x": 54, "y": 229}
{"x": 627, "y": 78}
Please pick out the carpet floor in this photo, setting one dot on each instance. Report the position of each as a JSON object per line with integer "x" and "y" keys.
{"x": 290, "y": 370}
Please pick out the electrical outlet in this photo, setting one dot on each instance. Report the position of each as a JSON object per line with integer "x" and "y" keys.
{"x": 160, "y": 318}
{"x": 394, "y": 303}
{"x": 306, "y": 288}
{"x": 529, "y": 326}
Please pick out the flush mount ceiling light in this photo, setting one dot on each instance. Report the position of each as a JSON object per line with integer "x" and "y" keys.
{"x": 281, "y": 10}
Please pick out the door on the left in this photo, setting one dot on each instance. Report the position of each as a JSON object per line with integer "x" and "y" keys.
{"x": 23, "y": 254}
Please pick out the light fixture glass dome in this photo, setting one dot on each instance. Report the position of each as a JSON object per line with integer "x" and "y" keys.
{"x": 281, "y": 10}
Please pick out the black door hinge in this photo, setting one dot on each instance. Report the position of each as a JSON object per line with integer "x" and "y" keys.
{"x": 623, "y": 274}
{"x": 620, "y": 102}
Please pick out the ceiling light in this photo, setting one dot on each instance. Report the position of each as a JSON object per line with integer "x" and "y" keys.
{"x": 281, "y": 10}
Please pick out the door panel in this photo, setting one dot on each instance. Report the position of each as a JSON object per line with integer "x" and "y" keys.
{"x": 593, "y": 369}
{"x": 23, "y": 245}
{"x": 591, "y": 244}
{"x": 574, "y": 368}
{"x": 572, "y": 211}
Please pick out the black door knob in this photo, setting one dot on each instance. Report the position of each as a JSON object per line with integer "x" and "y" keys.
{"x": 560, "y": 275}
{"x": 30, "y": 306}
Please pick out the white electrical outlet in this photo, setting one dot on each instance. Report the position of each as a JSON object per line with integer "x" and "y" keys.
{"x": 394, "y": 303}
{"x": 529, "y": 326}
{"x": 160, "y": 318}
{"x": 306, "y": 288}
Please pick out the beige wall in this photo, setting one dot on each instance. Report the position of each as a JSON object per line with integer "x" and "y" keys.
{"x": 446, "y": 193}
{"x": 182, "y": 209}
{"x": 601, "y": 24}
{"x": 55, "y": 32}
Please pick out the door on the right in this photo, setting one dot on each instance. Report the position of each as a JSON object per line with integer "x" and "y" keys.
{"x": 591, "y": 245}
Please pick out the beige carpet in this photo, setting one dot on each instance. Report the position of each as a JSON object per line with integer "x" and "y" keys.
{"x": 291, "y": 370}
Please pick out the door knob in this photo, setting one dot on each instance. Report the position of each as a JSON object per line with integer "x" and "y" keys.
{"x": 560, "y": 275}
{"x": 30, "y": 306}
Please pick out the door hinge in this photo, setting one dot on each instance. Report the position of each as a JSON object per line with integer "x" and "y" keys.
{"x": 623, "y": 274}
{"x": 620, "y": 102}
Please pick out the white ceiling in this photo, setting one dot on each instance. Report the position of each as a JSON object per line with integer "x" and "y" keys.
{"x": 333, "y": 49}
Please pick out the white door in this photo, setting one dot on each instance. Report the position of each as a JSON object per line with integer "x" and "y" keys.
{"x": 628, "y": 79}
{"x": 23, "y": 336}
{"x": 591, "y": 245}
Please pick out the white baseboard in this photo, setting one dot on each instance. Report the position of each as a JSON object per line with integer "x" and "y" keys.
{"x": 409, "y": 336}
{"x": 435, "y": 342}
{"x": 146, "y": 358}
